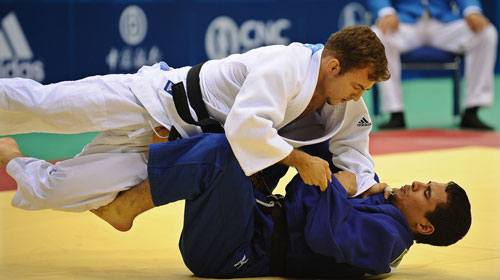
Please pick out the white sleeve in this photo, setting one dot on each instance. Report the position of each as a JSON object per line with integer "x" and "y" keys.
{"x": 350, "y": 146}
{"x": 259, "y": 108}
{"x": 387, "y": 11}
{"x": 472, "y": 10}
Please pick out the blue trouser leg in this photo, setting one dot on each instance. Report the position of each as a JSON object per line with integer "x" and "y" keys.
{"x": 218, "y": 217}
{"x": 184, "y": 169}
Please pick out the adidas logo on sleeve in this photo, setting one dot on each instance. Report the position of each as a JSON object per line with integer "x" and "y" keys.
{"x": 364, "y": 122}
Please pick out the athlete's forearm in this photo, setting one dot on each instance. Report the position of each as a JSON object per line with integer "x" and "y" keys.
{"x": 313, "y": 170}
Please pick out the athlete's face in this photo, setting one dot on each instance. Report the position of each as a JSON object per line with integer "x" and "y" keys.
{"x": 416, "y": 200}
{"x": 346, "y": 87}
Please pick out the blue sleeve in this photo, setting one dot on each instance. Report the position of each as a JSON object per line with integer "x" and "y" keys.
{"x": 376, "y": 5}
{"x": 367, "y": 240}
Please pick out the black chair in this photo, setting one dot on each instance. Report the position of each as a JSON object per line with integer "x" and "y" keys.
{"x": 429, "y": 58}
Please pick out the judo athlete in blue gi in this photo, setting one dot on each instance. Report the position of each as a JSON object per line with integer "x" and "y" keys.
{"x": 233, "y": 230}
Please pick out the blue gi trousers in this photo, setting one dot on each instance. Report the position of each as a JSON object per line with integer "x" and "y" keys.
{"x": 216, "y": 240}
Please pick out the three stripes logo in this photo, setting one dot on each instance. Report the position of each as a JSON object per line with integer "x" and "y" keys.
{"x": 16, "y": 56}
{"x": 364, "y": 122}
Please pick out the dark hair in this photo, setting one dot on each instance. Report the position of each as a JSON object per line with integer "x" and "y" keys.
{"x": 357, "y": 47}
{"x": 451, "y": 220}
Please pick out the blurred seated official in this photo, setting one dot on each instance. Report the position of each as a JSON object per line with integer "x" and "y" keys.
{"x": 231, "y": 229}
{"x": 404, "y": 25}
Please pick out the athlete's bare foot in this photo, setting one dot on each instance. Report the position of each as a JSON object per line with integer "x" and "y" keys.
{"x": 114, "y": 217}
{"x": 121, "y": 212}
{"x": 8, "y": 150}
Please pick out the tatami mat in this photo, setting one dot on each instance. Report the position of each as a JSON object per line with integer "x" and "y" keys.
{"x": 57, "y": 245}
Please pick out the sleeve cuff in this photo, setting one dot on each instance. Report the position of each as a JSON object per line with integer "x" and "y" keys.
{"x": 386, "y": 11}
{"x": 472, "y": 10}
{"x": 365, "y": 186}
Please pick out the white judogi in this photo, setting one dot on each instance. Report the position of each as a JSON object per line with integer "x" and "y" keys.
{"x": 254, "y": 94}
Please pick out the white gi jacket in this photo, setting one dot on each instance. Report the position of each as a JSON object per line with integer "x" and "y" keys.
{"x": 256, "y": 95}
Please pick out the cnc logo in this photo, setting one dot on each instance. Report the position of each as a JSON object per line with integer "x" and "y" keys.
{"x": 353, "y": 14}
{"x": 16, "y": 57}
{"x": 224, "y": 37}
{"x": 133, "y": 28}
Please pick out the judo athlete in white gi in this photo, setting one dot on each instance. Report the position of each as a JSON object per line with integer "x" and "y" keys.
{"x": 270, "y": 101}
{"x": 233, "y": 230}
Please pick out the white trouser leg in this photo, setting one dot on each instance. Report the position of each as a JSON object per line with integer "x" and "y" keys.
{"x": 77, "y": 184}
{"x": 406, "y": 38}
{"x": 108, "y": 165}
{"x": 95, "y": 103}
{"x": 480, "y": 57}
{"x": 111, "y": 163}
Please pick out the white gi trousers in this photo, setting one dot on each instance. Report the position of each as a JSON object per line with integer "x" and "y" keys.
{"x": 456, "y": 36}
{"x": 112, "y": 162}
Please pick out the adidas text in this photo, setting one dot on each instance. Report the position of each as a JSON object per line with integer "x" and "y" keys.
{"x": 16, "y": 57}
{"x": 24, "y": 69}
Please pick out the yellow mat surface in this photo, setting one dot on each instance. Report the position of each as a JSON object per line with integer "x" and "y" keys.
{"x": 57, "y": 245}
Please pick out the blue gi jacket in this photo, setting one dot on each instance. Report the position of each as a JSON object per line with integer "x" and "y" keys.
{"x": 226, "y": 234}
{"x": 409, "y": 11}
{"x": 326, "y": 228}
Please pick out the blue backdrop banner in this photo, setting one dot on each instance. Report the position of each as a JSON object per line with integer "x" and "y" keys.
{"x": 57, "y": 40}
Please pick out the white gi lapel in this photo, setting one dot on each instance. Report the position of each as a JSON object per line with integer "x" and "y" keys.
{"x": 149, "y": 89}
{"x": 300, "y": 102}
{"x": 184, "y": 129}
{"x": 146, "y": 94}
{"x": 316, "y": 129}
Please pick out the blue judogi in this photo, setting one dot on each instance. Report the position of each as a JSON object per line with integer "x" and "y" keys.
{"x": 226, "y": 234}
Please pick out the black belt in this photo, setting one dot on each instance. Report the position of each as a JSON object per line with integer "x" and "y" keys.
{"x": 279, "y": 237}
{"x": 207, "y": 124}
{"x": 268, "y": 177}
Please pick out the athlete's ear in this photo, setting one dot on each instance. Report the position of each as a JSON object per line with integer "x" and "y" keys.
{"x": 425, "y": 228}
{"x": 333, "y": 66}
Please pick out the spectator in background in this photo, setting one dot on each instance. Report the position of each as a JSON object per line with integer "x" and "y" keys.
{"x": 404, "y": 25}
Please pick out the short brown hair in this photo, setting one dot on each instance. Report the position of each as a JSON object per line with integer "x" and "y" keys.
{"x": 358, "y": 47}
